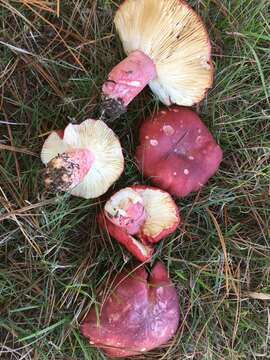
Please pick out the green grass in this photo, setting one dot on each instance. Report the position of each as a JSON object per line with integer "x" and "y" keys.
{"x": 52, "y": 256}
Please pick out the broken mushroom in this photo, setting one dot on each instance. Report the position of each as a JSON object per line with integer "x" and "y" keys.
{"x": 177, "y": 151}
{"x": 168, "y": 48}
{"x": 141, "y": 314}
{"x": 138, "y": 217}
{"x": 84, "y": 159}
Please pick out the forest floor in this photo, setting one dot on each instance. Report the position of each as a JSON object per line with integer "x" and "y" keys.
{"x": 54, "y": 57}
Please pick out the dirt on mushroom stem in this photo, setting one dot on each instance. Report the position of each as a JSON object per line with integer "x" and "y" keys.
{"x": 67, "y": 170}
{"x": 58, "y": 177}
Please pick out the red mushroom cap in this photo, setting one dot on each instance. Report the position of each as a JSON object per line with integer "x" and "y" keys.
{"x": 177, "y": 151}
{"x": 138, "y": 217}
{"x": 141, "y": 314}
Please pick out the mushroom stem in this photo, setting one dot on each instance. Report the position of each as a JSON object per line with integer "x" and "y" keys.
{"x": 68, "y": 169}
{"x": 126, "y": 210}
{"x": 126, "y": 81}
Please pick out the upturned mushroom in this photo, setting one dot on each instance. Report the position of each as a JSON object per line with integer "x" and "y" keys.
{"x": 84, "y": 160}
{"x": 141, "y": 314}
{"x": 138, "y": 217}
{"x": 177, "y": 151}
{"x": 168, "y": 48}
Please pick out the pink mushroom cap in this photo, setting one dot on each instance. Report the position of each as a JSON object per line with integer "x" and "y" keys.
{"x": 177, "y": 151}
{"x": 141, "y": 314}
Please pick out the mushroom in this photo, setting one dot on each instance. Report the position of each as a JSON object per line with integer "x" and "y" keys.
{"x": 84, "y": 159}
{"x": 177, "y": 151}
{"x": 138, "y": 217}
{"x": 168, "y": 48}
{"x": 140, "y": 314}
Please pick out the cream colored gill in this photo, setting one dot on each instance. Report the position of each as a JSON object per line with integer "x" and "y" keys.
{"x": 161, "y": 211}
{"x": 52, "y": 147}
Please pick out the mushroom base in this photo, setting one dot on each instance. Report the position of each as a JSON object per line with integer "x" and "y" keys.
{"x": 111, "y": 109}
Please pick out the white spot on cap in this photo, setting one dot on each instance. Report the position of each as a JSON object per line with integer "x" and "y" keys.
{"x": 168, "y": 130}
{"x": 199, "y": 138}
{"x": 153, "y": 142}
{"x": 186, "y": 171}
{"x": 200, "y": 184}
{"x": 191, "y": 157}
{"x": 143, "y": 349}
{"x": 174, "y": 173}
{"x": 147, "y": 137}
{"x": 160, "y": 290}
{"x": 175, "y": 110}
{"x": 163, "y": 112}
{"x": 199, "y": 131}
{"x": 91, "y": 342}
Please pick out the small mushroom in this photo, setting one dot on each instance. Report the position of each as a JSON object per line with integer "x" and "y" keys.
{"x": 139, "y": 216}
{"x": 177, "y": 151}
{"x": 84, "y": 159}
{"x": 168, "y": 48}
{"x": 141, "y": 314}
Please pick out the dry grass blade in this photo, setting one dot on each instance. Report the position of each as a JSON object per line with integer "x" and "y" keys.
{"x": 24, "y": 210}
{"x": 45, "y": 74}
{"x": 257, "y": 295}
{"x": 45, "y": 5}
{"x": 58, "y": 8}
{"x": 228, "y": 273}
{"x": 16, "y": 149}
{"x": 64, "y": 42}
